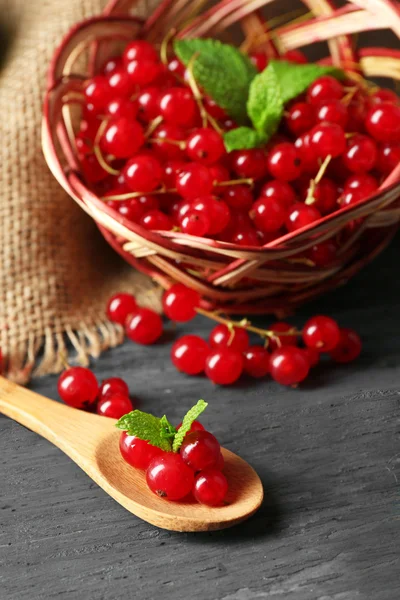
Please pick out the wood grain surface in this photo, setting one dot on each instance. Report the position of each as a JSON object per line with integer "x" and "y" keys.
{"x": 328, "y": 454}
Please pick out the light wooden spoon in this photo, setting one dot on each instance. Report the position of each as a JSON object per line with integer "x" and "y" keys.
{"x": 92, "y": 442}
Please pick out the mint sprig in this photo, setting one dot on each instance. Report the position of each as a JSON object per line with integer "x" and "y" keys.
{"x": 159, "y": 432}
{"x": 222, "y": 71}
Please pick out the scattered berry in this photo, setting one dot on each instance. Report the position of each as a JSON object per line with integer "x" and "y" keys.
{"x": 78, "y": 387}
{"x": 144, "y": 326}
{"x": 348, "y": 348}
{"x": 120, "y": 306}
{"x": 289, "y": 365}
{"x": 180, "y": 303}
{"x": 114, "y": 406}
{"x": 224, "y": 366}
{"x": 113, "y": 385}
{"x": 256, "y": 361}
{"x": 321, "y": 333}
{"x": 235, "y": 338}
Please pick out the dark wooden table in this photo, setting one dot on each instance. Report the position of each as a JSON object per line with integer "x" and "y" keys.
{"x": 328, "y": 454}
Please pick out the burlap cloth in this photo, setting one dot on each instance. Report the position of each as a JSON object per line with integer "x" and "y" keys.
{"x": 56, "y": 272}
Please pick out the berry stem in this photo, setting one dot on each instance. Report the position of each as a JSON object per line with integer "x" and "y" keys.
{"x": 241, "y": 181}
{"x": 153, "y": 126}
{"x": 313, "y": 182}
{"x": 164, "y": 45}
{"x": 96, "y": 148}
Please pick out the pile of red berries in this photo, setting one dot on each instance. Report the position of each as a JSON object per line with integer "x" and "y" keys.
{"x": 196, "y": 469}
{"x": 79, "y": 388}
{"x": 228, "y": 352}
{"x": 155, "y": 153}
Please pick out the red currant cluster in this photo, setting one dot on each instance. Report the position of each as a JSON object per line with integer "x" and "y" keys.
{"x": 154, "y": 149}
{"x": 79, "y": 388}
{"x": 228, "y": 353}
{"x": 196, "y": 468}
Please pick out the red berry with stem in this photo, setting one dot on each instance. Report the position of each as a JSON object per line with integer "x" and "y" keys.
{"x": 98, "y": 92}
{"x": 284, "y": 162}
{"x": 205, "y": 146}
{"x": 383, "y": 122}
{"x": 326, "y": 194}
{"x": 113, "y": 385}
{"x": 189, "y": 354}
{"x": 321, "y": 333}
{"x": 249, "y": 163}
{"x": 143, "y": 173}
{"x": 156, "y": 220}
{"x": 144, "y": 326}
{"x": 216, "y": 210}
{"x": 136, "y": 452}
{"x": 300, "y": 118}
{"x": 384, "y": 95}
{"x": 224, "y": 366}
{"x": 288, "y": 339}
{"x": 388, "y": 157}
{"x": 235, "y": 338}
{"x": 195, "y": 223}
{"x": 322, "y": 254}
{"x": 289, "y": 365}
{"x": 139, "y": 50}
{"x": 213, "y": 109}
{"x": 200, "y": 450}
{"x": 169, "y": 477}
{"x": 268, "y": 214}
{"x": 143, "y": 72}
{"x": 193, "y": 181}
{"x": 348, "y": 347}
{"x": 180, "y": 303}
{"x": 148, "y": 103}
{"x": 178, "y": 107}
{"x": 295, "y": 56}
{"x": 120, "y": 306}
{"x": 256, "y": 361}
{"x": 238, "y": 197}
{"x": 301, "y": 215}
{"x": 169, "y": 142}
{"x": 328, "y": 139}
{"x": 324, "y": 89}
{"x": 114, "y": 406}
{"x": 122, "y": 138}
{"x": 78, "y": 387}
{"x": 333, "y": 112}
{"x": 210, "y": 487}
{"x": 121, "y": 84}
{"x": 361, "y": 154}
{"x": 122, "y": 108}
{"x": 259, "y": 60}
{"x": 280, "y": 191}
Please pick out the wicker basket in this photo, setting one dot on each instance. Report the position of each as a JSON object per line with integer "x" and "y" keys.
{"x": 230, "y": 278}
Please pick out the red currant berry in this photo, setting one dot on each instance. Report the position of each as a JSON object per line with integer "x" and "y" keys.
{"x": 361, "y": 154}
{"x": 144, "y": 326}
{"x": 238, "y": 197}
{"x": 143, "y": 72}
{"x": 131, "y": 209}
{"x": 213, "y": 109}
{"x": 256, "y": 361}
{"x": 280, "y": 191}
{"x": 205, "y": 146}
{"x": 268, "y": 214}
{"x": 193, "y": 181}
{"x": 324, "y": 89}
{"x": 219, "y": 173}
{"x": 121, "y": 84}
{"x": 300, "y": 118}
{"x": 328, "y": 139}
{"x": 333, "y": 112}
{"x": 112, "y": 64}
{"x": 113, "y": 385}
{"x": 143, "y": 173}
{"x": 249, "y": 163}
{"x": 235, "y": 338}
{"x": 98, "y": 92}
{"x": 284, "y": 162}
{"x": 180, "y": 303}
{"x": 295, "y": 56}
{"x": 195, "y": 223}
{"x": 348, "y": 347}
{"x": 323, "y": 254}
{"x": 221, "y": 463}
{"x": 216, "y": 210}
{"x": 148, "y": 102}
{"x": 178, "y": 107}
{"x": 309, "y": 159}
{"x": 196, "y": 426}
{"x": 321, "y": 333}
{"x": 384, "y": 95}
{"x": 357, "y": 111}
{"x": 224, "y": 366}
{"x": 388, "y": 158}
{"x": 155, "y": 220}
{"x": 366, "y": 184}
{"x": 78, "y": 387}
{"x": 282, "y": 340}
{"x": 171, "y": 169}
{"x": 139, "y": 50}
{"x": 245, "y": 236}
{"x": 122, "y": 138}
{"x": 114, "y": 406}
{"x": 259, "y": 60}
{"x": 326, "y": 194}
{"x": 313, "y": 356}
{"x": 176, "y": 67}
{"x": 120, "y": 306}
{"x": 122, "y": 109}
{"x": 210, "y": 487}
{"x": 200, "y": 450}
{"x": 289, "y": 365}
{"x": 189, "y": 354}
{"x": 169, "y": 142}
{"x": 136, "y": 452}
{"x": 92, "y": 171}
{"x": 301, "y": 215}
{"x": 383, "y": 122}
{"x": 169, "y": 477}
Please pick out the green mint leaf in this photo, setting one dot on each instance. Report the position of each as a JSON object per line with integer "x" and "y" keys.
{"x": 187, "y": 422}
{"x": 294, "y": 79}
{"x": 265, "y": 103}
{"x": 243, "y": 138}
{"x": 146, "y": 427}
{"x": 168, "y": 431}
{"x": 222, "y": 71}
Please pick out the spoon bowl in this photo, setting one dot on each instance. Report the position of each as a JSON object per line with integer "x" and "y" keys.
{"x": 92, "y": 442}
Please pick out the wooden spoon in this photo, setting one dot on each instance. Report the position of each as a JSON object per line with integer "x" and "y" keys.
{"x": 92, "y": 442}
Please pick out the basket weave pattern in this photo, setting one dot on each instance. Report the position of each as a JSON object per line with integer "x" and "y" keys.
{"x": 229, "y": 277}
